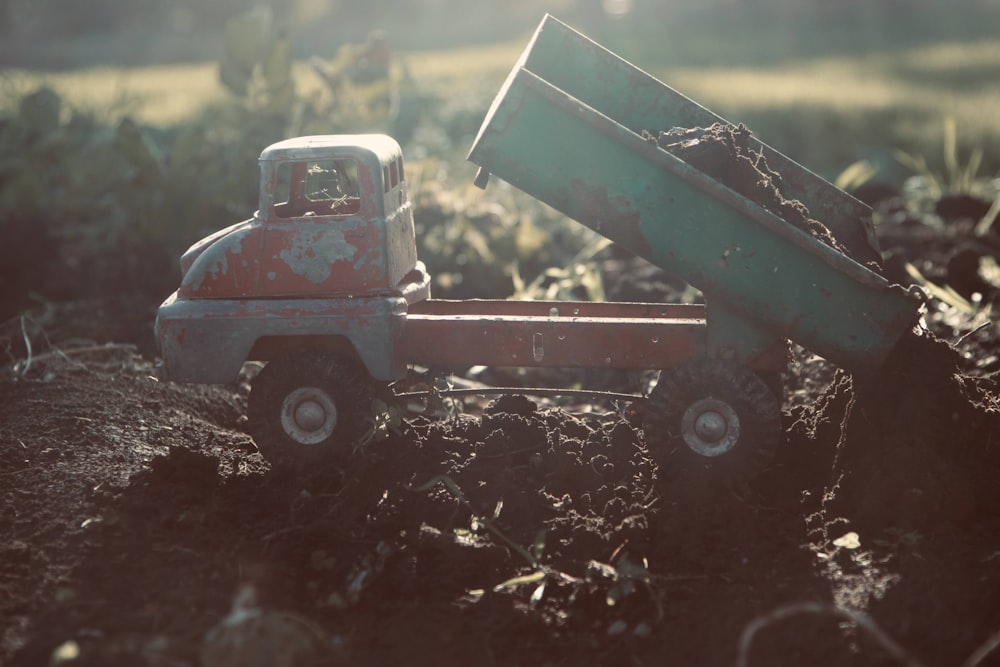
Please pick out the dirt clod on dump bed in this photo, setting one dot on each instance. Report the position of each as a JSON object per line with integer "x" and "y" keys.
{"x": 723, "y": 151}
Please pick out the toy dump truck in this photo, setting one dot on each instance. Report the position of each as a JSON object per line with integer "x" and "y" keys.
{"x": 324, "y": 284}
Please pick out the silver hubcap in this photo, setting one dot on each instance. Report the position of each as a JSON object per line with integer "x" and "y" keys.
{"x": 710, "y": 427}
{"x": 308, "y": 415}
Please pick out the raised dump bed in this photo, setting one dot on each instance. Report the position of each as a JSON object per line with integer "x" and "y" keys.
{"x": 571, "y": 125}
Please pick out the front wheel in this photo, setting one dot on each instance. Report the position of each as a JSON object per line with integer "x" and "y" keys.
{"x": 713, "y": 416}
{"x": 308, "y": 406}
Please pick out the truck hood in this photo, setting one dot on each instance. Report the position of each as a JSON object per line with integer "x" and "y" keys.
{"x": 195, "y": 251}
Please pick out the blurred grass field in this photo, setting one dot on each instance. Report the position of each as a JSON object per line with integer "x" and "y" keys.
{"x": 825, "y": 112}
{"x": 171, "y": 150}
{"x": 166, "y": 95}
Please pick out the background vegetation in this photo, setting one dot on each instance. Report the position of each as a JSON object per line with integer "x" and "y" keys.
{"x": 129, "y": 130}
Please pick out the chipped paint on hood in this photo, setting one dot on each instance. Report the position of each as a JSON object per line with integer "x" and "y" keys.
{"x": 311, "y": 254}
{"x": 224, "y": 268}
{"x": 214, "y": 262}
{"x": 196, "y": 249}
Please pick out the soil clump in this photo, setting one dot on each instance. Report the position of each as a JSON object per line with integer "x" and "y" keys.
{"x": 723, "y": 151}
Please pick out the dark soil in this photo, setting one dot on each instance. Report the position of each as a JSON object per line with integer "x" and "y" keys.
{"x": 522, "y": 533}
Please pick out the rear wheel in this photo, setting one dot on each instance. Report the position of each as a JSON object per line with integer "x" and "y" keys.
{"x": 712, "y": 416}
{"x": 308, "y": 406}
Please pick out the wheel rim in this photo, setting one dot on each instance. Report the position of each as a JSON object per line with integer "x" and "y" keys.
{"x": 710, "y": 427}
{"x": 309, "y": 415}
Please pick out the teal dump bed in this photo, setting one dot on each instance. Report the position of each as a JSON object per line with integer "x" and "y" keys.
{"x": 567, "y": 128}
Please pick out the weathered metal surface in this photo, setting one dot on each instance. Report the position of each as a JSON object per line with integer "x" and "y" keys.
{"x": 556, "y": 334}
{"x": 322, "y": 146}
{"x": 596, "y": 77}
{"x": 207, "y": 340}
{"x": 560, "y": 309}
{"x": 361, "y": 243}
{"x": 324, "y": 257}
{"x": 250, "y": 288}
{"x": 735, "y": 337}
{"x": 564, "y": 151}
{"x": 224, "y": 265}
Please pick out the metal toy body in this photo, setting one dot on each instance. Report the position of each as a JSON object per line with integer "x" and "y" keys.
{"x": 325, "y": 286}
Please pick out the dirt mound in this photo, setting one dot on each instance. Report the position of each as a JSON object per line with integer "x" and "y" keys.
{"x": 918, "y": 442}
{"x": 528, "y": 534}
{"x": 910, "y": 488}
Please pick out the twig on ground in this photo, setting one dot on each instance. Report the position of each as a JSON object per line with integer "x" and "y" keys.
{"x": 456, "y": 492}
{"x": 27, "y": 345}
{"x": 10, "y": 473}
{"x": 89, "y": 349}
{"x": 22, "y": 367}
{"x": 967, "y": 334}
{"x": 782, "y": 613}
{"x": 984, "y": 650}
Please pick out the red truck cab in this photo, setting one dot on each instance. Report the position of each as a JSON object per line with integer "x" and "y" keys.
{"x": 329, "y": 257}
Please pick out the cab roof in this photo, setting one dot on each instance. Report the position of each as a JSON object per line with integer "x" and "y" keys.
{"x": 381, "y": 146}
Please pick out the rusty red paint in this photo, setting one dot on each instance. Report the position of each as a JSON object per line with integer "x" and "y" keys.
{"x": 224, "y": 265}
{"x": 510, "y": 333}
{"x": 591, "y": 309}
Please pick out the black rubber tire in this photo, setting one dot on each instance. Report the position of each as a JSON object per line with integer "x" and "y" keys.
{"x": 331, "y": 395}
{"x": 742, "y": 423}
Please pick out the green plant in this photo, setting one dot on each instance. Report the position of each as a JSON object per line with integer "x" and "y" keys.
{"x": 955, "y": 176}
{"x": 257, "y": 61}
{"x": 385, "y": 419}
{"x": 855, "y": 175}
{"x": 943, "y": 293}
{"x": 581, "y": 274}
{"x": 986, "y": 223}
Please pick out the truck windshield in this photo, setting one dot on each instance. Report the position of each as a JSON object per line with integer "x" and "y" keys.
{"x": 316, "y": 188}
